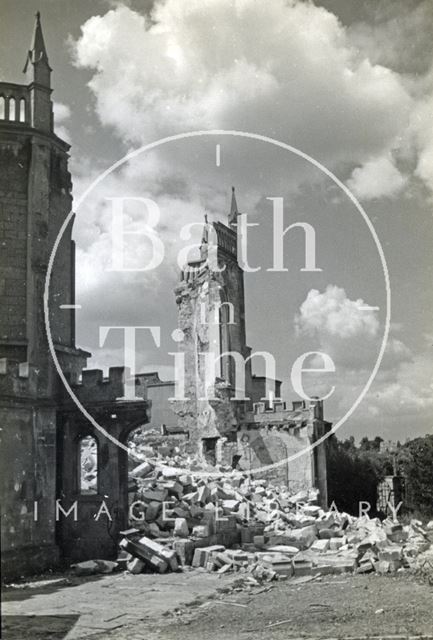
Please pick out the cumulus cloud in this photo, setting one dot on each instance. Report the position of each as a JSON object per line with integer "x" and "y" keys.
{"x": 62, "y": 114}
{"x": 348, "y": 330}
{"x": 396, "y": 37}
{"x": 332, "y": 313}
{"x": 422, "y": 133}
{"x": 261, "y": 70}
{"x": 376, "y": 178}
{"x": 351, "y": 336}
{"x": 410, "y": 392}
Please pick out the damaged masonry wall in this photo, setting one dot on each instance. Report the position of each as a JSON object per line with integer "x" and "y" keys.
{"x": 238, "y": 433}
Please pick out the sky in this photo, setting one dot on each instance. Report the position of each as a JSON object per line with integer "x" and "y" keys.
{"x": 349, "y": 83}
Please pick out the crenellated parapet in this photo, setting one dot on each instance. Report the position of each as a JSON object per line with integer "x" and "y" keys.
{"x": 95, "y": 388}
{"x": 276, "y": 415}
{"x": 17, "y": 379}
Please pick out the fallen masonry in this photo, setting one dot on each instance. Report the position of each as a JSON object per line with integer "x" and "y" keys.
{"x": 233, "y": 523}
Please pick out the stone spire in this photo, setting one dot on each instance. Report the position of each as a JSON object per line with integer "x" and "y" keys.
{"x": 37, "y": 67}
{"x": 204, "y": 239}
{"x": 233, "y": 215}
{"x": 38, "y": 73}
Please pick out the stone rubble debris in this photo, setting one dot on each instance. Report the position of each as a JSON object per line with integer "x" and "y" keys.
{"x": 234, "y": 523}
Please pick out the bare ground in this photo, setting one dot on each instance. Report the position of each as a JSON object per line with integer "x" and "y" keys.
{"x": 200, "y": 606}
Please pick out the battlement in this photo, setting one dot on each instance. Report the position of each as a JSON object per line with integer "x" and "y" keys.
{"x": 94, "y": 388}
{"x": 17, "y": 379}
{"x": 277, "y": 414}
{"x": 14, "y": 103}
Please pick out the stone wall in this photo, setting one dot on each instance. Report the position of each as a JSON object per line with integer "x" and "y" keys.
{"x": 264, "y": 446}
{"x": 91, "y": 536}
{"x": 35, "y": 199}
{"x": 207, "y": 411}
{"x": 14, "y": 166}
{"x": 28, "y": 469}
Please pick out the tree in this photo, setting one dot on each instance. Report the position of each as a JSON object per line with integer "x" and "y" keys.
{"x": 417, "y": 465}
{"x": 352, "y": 477}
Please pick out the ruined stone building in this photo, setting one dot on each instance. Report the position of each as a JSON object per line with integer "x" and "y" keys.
{"x": 42, "y": 429}
{"x": 259, "y": 431}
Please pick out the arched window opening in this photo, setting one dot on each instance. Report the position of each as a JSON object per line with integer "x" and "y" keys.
{"x": 88, "y": 465}
{"x": 226, "y": 315}
{"x": 12, "y": 109}
{"x": 22, "y": 110}
{"x": 2, "y": 108}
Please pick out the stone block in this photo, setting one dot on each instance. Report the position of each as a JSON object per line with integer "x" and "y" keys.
{"x": 196, "y": 511}
{"x": 244, "y": 511}
{"x": 145, "y": 552}
{"x": 321, "y": 545}
{"x": 155, "y": 495}
{"x": 180, "y": 512}
{"x": 303, "y": 568}
{"x": 153, "y": 530}
{"x": 329, "y": 533}
{"x": 227, "y": 523}
{"x": 174, "y": 488}
{"x": 382, "y": 567}
{"x": 230, "y": 506}
{"x": 135, "y": 565}
{"x": 144, "y": 469}
{"x": 259, "y": 541}
{"x": 201, "y": 531}
{"x": 203, "y": 494}
{"x": 262, "y": 516}
{"x": 221, "y": 558}
{"x": 311, "y": 510}
{"x": 366, "y": 566}
{"x": 301, "y": 538}
{"x": 169, "y": 472}
{"x": 237, "y": 555}
{"x": 335, "y": 543}
{"x": 390, "y": 554}
{"x": 203, "y": 555}
{"x": 155, "y": 548}
{"x": 198, "y": 558}
{"x": 283, "y": 548}
{"x": 225, "y": 568}
{"x": 191, "y": 498}
{"x": 184, "y": 549}
{"x": 130, "y": 533}
{"x": 152, "y": 511}
{"x": 346, "y": 566}
{"x": 181, "y": 529}
{"x": 394, "y": 565}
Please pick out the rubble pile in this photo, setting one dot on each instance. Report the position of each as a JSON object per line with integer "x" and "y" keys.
{"x": 232, "y": 522}
{"x": 422, "y": 564}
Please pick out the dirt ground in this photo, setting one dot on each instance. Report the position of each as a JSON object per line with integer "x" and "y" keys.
{"x": 200, "y": 606}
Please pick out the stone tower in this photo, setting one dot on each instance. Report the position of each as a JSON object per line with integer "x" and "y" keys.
{"x": 211, "y": 314}
{"x": 35, "y": 199}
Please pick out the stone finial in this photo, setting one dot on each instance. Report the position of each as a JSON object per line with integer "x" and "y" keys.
{"x": 37, "y": 54}
{"x": 204, "y": 239}
{"x": 234, "y": 212}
